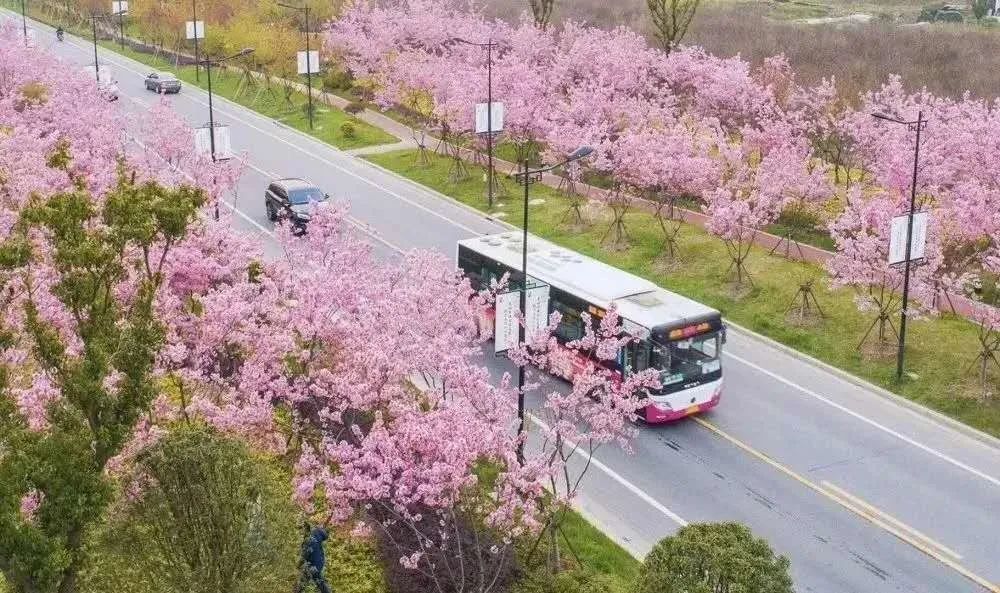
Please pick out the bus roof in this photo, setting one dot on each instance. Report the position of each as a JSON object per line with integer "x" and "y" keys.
{"x": 637, "y": 299}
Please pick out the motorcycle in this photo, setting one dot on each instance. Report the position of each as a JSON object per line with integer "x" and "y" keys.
{"x": 59, "y": 34}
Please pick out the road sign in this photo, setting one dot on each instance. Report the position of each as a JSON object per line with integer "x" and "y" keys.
{"x": 897, "y": 237}
{"x": 193, "y": 28}
{"x": 118, "y": 6}
{"x": 505, "y": 332}
{"x": 482, "y": 119}
{"x": 223, "y": 144}
{"x": 313, "y": 65}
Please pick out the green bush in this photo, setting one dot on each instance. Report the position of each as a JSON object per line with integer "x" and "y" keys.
{"x": 210, "y": 517}
{"x": 354, "y": 107}
{"x": 709, "y": 557}
{"x": 348, "y": 131}
{"x": 335, "y": 79}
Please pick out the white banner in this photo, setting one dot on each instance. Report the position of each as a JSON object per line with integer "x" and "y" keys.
{"x": 897, "y": 237}
{"x": 483, "y": 119}
{"x": 506, "y": 328}
{"x": 313, "y": 66}
{"x": 119, "y": 6}
{"x": 537, "y": 304}
{"x": 195, "y": 28}
{"x": 203, "y": 142}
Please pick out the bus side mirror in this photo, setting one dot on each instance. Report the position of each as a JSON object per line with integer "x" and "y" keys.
{"x": 724, "y": 331}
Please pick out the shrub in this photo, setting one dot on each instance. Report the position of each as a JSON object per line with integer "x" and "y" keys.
{"x": 714, "y": 557}
{"x": 348, "y": 131}
{"x": 211, "y": 517}
{"x": 354, "y": 107}
{"x": 337, "y": 80}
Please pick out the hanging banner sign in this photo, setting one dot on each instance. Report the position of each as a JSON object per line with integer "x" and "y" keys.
{"x": 506, "y": 327}
{"x": 223, "y": 144}
{"x": 897, "y": 237}
{"x": 195, "y": 29}
{"x": 119, "y": 6}
{"x": 483, "y": 119}
{"x": 313, "y": 66}
{"x": 536, "y": 303}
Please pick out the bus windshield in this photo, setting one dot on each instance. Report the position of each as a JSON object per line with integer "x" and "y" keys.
{"x": 686, "y": 360}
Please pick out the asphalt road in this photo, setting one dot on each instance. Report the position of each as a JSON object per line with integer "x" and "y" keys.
{"x": 863, "y": 495}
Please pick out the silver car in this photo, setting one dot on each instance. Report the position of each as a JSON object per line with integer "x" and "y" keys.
{"x": 162, "y": 82}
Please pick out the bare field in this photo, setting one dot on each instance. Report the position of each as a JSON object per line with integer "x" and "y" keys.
{"x": 947, "y": 59}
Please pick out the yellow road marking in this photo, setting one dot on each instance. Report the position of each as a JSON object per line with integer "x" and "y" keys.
{"x": 865, "y": 507}
{"x": 877, "y": 519}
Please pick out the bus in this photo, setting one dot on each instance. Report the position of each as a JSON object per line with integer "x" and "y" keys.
{"x": 680, "y": 338}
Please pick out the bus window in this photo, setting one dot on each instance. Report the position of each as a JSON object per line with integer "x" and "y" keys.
{"x": 570, "y": 325}
{"x": 638, "y": 357}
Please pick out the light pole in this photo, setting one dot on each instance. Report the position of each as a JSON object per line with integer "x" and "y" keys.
{"x": 121, "y": 29}
{"x": 197, "y": 57}
{"x": 305, "y": 9}
{"x": 526, "y": 177}
{"x": 917, "y": 126}
{"x": 24, "y": 22}
{"x": 93, "y": 21}
{"x": 489, "y": 45}
{"x": 207, "y": 63}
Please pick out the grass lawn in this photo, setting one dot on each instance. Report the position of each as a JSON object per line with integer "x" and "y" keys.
{"x": 938, "y": 350}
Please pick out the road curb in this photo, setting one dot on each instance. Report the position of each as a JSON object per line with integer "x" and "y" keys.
{"x": 915, "y": 407}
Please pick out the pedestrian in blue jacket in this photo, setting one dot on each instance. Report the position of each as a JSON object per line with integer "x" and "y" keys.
{"x": 312, "y": 560}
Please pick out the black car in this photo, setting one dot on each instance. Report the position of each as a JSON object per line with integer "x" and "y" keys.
{"x": 292, "y": 198}
{"x": 162, "y": 82}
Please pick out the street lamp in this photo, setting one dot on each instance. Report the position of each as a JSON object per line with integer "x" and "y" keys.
{"x": 917, "y": 126}
{"x": 305, "y": 9}
{"x": 207, "y": 63}
{"x": 489, "y": 45}
{"x": 93, "y": 21}
{"x": 194, "y": 25}
{"x": 24, "y": 22}
{"x": 526, "y": 177}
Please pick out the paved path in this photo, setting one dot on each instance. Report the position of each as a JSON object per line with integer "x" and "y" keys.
{"x": 863, "y": 495}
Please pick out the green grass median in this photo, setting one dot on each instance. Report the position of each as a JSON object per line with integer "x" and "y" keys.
{"x": 939, "y": 350}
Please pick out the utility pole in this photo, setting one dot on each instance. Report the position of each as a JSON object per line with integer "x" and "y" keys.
{"x": 197, "y": 58}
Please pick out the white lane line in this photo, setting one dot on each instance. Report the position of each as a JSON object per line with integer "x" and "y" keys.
{"x": 617, "y": 477}
{"x": 873, "y": 423}
{"x": 869, "y": 421}
{"x": 119, "y": 61}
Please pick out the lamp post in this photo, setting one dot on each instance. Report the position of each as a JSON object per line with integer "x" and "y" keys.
{"x": 526, "y": 177}
{"x": 305, "y": 10}
{"x": 93, "y": 21}
{"x": 197, "y": 56}
{"x": 121, "y": 29}
{"x": 917, "y": 126}
{"x": 489, "y": 45}
{"x": 207, "y": 63}
{"x": 24, "y": 22}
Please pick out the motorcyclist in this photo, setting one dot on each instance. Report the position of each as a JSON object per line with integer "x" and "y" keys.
{"x": 59, "y": 33}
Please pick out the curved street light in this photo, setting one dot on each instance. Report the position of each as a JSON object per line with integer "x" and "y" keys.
{"x": 527, "y": 177}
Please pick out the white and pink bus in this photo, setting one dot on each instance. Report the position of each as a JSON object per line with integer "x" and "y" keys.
{"x": 679, "y": 337}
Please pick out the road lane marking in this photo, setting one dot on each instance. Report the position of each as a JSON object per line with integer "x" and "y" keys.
{"x": 869, "y": 509}
{"x": 942, "y": 456}
{"x": 876, "y": 518}
{"x": 617, "y": 477}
